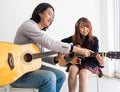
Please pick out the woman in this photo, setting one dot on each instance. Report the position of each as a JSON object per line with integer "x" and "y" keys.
{"x": 46, "y": 79}
{"x": 83, "y": 38}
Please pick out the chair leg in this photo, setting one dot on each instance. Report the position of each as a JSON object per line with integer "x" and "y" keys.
{"x": 24, "y": 89}
{"x": 98, "y": 89}
{"x": 97, "y": 82}
{"x": 6, "y": 88}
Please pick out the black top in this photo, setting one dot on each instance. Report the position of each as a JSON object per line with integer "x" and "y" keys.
{"x": 91, "y": 61}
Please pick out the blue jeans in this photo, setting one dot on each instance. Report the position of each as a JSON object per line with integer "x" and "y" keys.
{"x": 46, "y": 79}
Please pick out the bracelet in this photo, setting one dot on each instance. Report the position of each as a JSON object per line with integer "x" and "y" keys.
{"x": 55, "y": 61}
{"x": 71, "y": 48}
{"x": 101, "y": 66}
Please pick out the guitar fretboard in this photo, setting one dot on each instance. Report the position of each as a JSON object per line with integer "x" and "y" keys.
{"x": 44, "y": 54}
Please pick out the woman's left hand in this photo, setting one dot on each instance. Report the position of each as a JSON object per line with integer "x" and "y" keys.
{"x": 100, "y": 58}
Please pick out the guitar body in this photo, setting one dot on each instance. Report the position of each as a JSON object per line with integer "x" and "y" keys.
{"x": 75, "y": 58}
{"x": 69, "y": 58}
{"x": 12, "y": 61}
{"x": 63, "y": 62}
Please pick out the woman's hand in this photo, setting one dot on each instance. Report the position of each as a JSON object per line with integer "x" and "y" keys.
{"x": 59, "y": 56}
{"x": 100, "y": 58}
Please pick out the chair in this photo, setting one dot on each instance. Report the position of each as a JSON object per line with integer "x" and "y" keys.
{"x": 97, "y": 81}
{"x": 9, "y": 88}
{"x": 4, "y": 88}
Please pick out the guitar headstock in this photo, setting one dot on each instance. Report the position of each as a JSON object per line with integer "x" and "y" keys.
{"x": 113, "y": 54}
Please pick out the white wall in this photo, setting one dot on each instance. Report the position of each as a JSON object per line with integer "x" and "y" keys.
{"x": 14, "y": 12}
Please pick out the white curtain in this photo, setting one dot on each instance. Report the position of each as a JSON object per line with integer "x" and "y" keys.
{"x": 117, "y": 32}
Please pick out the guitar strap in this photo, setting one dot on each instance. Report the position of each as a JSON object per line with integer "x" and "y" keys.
{"x": 41, "y": 48}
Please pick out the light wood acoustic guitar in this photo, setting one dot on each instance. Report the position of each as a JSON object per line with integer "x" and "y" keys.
{"x": 16, "y": 60}
{"x": 75, "y": 58}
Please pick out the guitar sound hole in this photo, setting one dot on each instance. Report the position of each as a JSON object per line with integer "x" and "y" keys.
{"x": 28, "y": 57}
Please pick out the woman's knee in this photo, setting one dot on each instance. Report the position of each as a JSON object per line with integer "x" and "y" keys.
{"x": 73, "y": 71}
{"x": 83, "y": 73}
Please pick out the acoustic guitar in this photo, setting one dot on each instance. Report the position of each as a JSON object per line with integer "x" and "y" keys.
{"x": 75, "y": 58}
{"x": 16, "y": 60}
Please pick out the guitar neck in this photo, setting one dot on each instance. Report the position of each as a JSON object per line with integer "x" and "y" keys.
{"x": 111, "y": 54}
{"x": 44, "y": 54}
{"x": 115, "y": 55}
{"x": 91, "y": 54}
{"x": 95, "y": 53}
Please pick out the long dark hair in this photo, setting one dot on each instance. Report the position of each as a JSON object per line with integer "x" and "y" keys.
{"x": 79, "y": 39}
{"x": 40, "y": 9}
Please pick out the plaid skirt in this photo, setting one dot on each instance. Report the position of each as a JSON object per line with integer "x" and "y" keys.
{"x": 95, "y": 70}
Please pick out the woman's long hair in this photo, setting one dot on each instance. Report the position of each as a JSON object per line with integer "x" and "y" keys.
{"x": 79, "y": 39}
